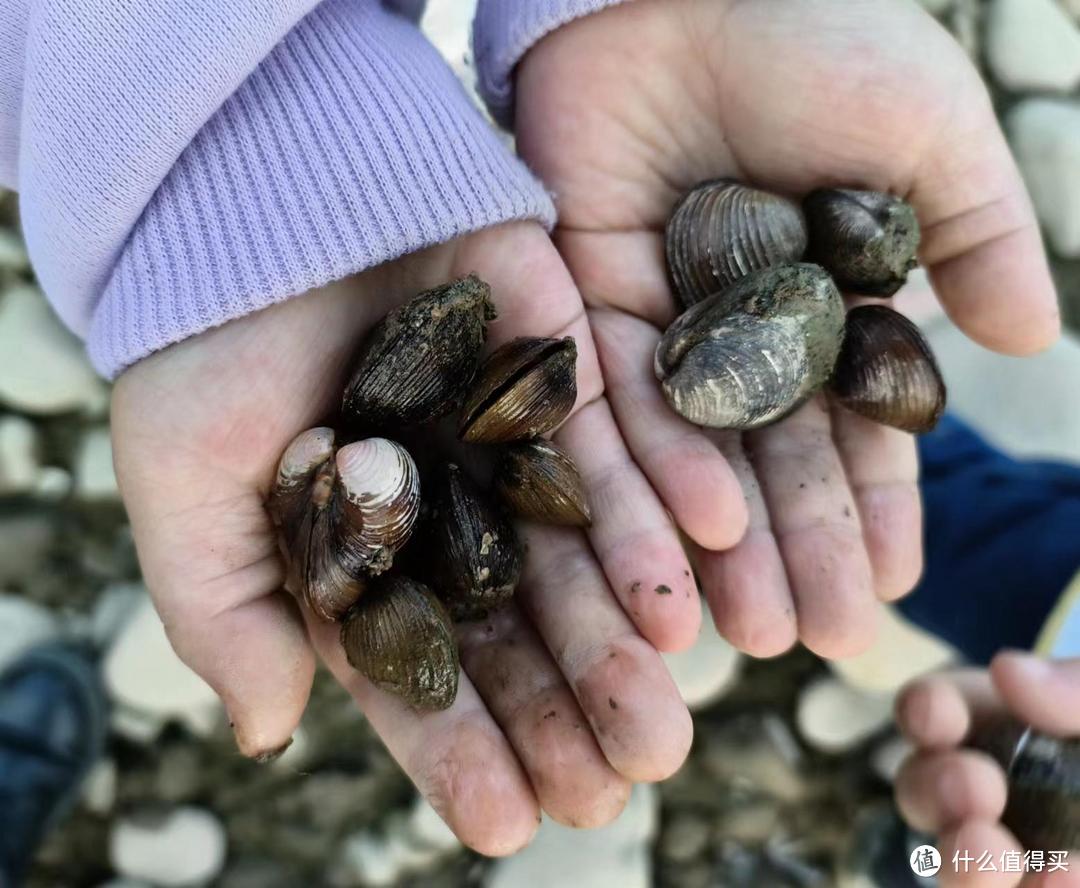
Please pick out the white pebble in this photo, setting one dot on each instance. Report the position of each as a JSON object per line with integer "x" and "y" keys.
{"x": 18, "y": 455}
{"x": 23, "y": 624}
{"x": 1033, "y": 45}
{"x": 95, "y": 478}
{"x": 705, "y": 672}
{"x": 834, "y": 717}
{"x": 99, "y": 787}
{"x": 179, "y": 847}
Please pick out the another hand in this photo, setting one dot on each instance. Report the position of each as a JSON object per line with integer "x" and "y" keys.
{"x": 622, "y": 111}
{"x": 564, "y": 702}
{"x": 960, "y": 794}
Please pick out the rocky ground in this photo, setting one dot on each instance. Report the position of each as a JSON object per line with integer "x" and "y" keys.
{"x": 788, "y": 781}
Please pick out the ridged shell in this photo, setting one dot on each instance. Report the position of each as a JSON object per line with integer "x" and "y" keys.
{"x": 475, "y": 555}
{"x": 723, "y": 230}
{"x": 400, "y": 637}
{"x": 887, "y": 372}
{"x": 751, "y": 354}
{"x": 866, "y": 240}
{"x": 524, "y": 389}
{"x": 417, "y": 363}
{"x": 540, "y": 482}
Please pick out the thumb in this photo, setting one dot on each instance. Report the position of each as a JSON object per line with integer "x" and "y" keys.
{"x": 1042, "y": 693}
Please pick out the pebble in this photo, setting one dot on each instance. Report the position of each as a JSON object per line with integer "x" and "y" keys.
{"x": 23, "y": 625}
{"x": 114, "y": 607}
{"x": 889, "y": 755}
{"x": 43, "y": 369}
{"x": 18, "y": 455}
{"x": 684, "y": 838}
{"x": 617, "y": 854}
{"x": 13, "y": 256}
{"x": 52, "y": 483}
{"x": 178, "y": 847}
{"x": 99, "y": 787}
{"x": 25, "y": 541}
{"x": 143, "y": 673}
{"x": 95, "y": 478}
{"x": 705, "y": 672}
{"x": 1045, "y": 135}
{"x": 834, "y": 717}
{"x": 1033, "y": 45}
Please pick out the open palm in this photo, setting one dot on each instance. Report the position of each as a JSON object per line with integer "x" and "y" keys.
{"x": 564, "y": 702}
{"x": 622, "y": 111}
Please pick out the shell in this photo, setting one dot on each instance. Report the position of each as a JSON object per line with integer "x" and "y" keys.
{"x": 525, "y": 388}
{"x": 540, "y": 482}
{"x": 475, "y": 556}
{"x": 417, "y": 363}
{"x": 291, "y": 494}
{"x": 723, "y": 230}
{"x": 1043, "y": 809}
{"x": 866, "y": 240}
{"x": 400, "y": 637}
{"x": 887, "y": 372}
{"x": 751, "y": 354}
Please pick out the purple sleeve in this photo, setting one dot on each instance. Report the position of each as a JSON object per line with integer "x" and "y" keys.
{"x": 176, "y": 172}
{"x": 504, "y": 30}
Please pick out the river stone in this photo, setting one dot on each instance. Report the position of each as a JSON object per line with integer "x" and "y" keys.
{"x": 705, "y": 672}
{"x": 177, "y": 847}
{"x": 25, "y": 542}
{"x": 95, "y": 478}
{"x": 1032, "y": 45}
{"x": 834, "y": 717}
{"x": 23, "y": 625}
{"x": 18, "y": 455}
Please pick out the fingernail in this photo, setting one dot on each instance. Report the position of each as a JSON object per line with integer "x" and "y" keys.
{"x": 264, "y": 758}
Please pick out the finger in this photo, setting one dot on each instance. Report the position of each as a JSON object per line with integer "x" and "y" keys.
{"x": 458, "y": 758}
{"x": 691, "y": 476}
{"x": 938, "y": 790}
{"x": 529, "y": 699}
{"x": 632, "y": 535}
{"x": 1042, "y": 693}
{"x": 747, "y": 587}
{"x": 620, "y": 681}
{"x": 962, "y": 847}
{"x": 815, "y": 520}
{"x": 882, "y": 468}
{"x": 937, "y": 712}
{"x": 981, "y": 241}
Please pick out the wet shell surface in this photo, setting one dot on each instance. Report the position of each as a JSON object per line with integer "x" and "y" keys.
{"x": 524, "y": 389}
{"x": 723, "y": 230}
{"x": 866, "y": 240}
{"x": 887, "y": 371}
{"x": 540, "y": 482}
{"x": 750, "y": 355}
{"x": 400, "y": 637}
{"x": 417, "y": 363}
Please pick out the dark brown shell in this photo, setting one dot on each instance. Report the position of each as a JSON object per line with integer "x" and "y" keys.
{"x": 887, "y": 372}
{"x": 750, "y": 355}
{"x": 524, "y": 389}
{"x": 866, "y": 240}
{"x": 474, "y": 555}
{"x": 417, "y": 363}
{"x": 540, "y": 482}
{"x": 723, "y": 230}
{"x": 401, "y": 638}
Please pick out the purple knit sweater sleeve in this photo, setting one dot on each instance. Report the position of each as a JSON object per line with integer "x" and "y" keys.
{"x": 180, "y": 167}
{"x": 504, "y": 30}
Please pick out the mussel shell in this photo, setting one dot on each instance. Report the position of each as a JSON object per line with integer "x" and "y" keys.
{"x": 524, "y": 389}
{"x": 401, "y": 638}
{"x": 887, "y": 371}
{"x": 417, "y": 363}
{"x": 751, "y": 354}
{"x": 474, "y": 554}
{"x": 723, "y": 230}
{"x": 540, "y": 482}
{"x": 866, "y": 240}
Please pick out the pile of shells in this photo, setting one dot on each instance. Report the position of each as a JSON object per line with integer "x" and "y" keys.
{"x": 764, "y": 330}
{"x": 392, "y": 557}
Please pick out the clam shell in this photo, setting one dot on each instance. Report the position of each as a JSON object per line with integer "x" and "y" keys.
{"x": 400, "y": 637}
{"x": 417, "y": 363}
{"x": 887, "y": 372}
{"x": 290, "y": 496}
{"x": 475, "y": 556}
{"x": 524, "y": 389}
{"x": 866, "y": 240}
{"x": 540, "y": 482}
{"x": 723, "y": 230}
{"x": 751, "y": 354}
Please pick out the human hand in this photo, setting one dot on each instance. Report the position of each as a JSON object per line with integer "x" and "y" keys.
{"x": 623, "y": 111}
{"x": 960, "y": 793}
{"x": 564, "y": 701}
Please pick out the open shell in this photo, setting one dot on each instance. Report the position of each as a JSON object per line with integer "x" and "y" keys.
{"x": 540, "y": 482}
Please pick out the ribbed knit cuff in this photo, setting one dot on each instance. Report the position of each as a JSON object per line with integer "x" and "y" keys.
{"x": 504, "y": 30}
{"x": 351, "y": 144}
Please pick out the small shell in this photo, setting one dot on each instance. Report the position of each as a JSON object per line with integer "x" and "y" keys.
{"x": 400, "y": 637}
{"x": 417, "y": 363}
{"x": 526, "y": 388}
{"x": 475, "y": 556}
{"x": 751, "y": 354}
{"x": 723, "y": 230}
{"x": 887, "y": 372}
{"x": 865, "y": 239}
{"x": 541, "y": 483}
